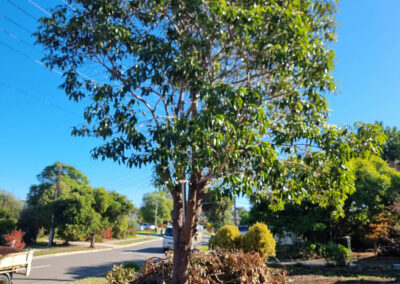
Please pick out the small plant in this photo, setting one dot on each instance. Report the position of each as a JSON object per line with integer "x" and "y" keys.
{"x": 98, "y": 239}
{"x": 259, "y": 239}
{"x": 14, "y": 239}
{"x": 120, "y": 275}
{"x": 106, "y": 234}
{"x": 228, "y": 237}
{"x": 133, "y": 265}
{"x": 311, "y": 250}
{"x": 335, "y": 254}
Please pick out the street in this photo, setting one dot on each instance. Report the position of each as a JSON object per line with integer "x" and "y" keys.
{"x": 66, "y": 268}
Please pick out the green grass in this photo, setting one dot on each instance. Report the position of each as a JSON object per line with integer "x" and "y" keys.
{"x": 60, "y": 250}
{"x": 91, "y": 280}
{"x": 204, "y": 248}
{"x": 147, "y": 232}
{"x": 136, "y": 241}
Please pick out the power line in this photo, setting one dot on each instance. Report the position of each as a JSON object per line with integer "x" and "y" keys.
{"x": 15, "y": 23}
{"x": 28, "y": 57}
{"x": 21, "y": 40}
{"x": 22, "y": 10}
{"x": 38, "y": 99}
{"x": 40, "y": 8}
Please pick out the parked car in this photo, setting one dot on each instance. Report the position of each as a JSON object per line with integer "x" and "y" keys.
{"x": 146, "y": 226}
{"x": 168, "y": 239}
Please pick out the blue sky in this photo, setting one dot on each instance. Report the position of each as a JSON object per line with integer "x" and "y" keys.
{"x": 36, "y": 117}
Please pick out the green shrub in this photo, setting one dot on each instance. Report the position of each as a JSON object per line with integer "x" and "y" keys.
{"x": 120, "y": 275}
{"x": 228, "y": 237}
{"x": 98, "y": 239}
{"x": 335, "y": 254}
{"x": 311, "y": 250}
{"x": 133, "y": 265}
{"x": 259, "y": 239}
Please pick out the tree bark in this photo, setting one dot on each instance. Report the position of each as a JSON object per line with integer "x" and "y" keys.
{"x": 184, "y": 230}
{"x": 92, "y": 239}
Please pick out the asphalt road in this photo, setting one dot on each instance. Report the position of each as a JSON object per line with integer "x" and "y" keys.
{"x": 66, "y": 268}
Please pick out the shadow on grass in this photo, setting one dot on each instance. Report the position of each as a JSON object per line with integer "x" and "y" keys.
{"x": 97, "y": 270}
{"x": 361, "y": 273}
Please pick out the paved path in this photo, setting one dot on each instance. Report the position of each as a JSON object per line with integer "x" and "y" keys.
{"x": 65, "y": 268}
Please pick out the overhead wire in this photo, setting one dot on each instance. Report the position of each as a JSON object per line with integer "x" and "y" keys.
{"x": 37, "y": 98}
{"x": 16, "y": 24}
{"x": 22, "y": 10}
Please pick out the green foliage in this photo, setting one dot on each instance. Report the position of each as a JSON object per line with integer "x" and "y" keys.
{"x": 75, "y": 216}
{"x": 98, "y": 239}
{"x": 41, "y": 197}
{"x": 391, "y": 150}
{"x": 133, "y": 265}
{"x": 259, "y": 239}
{"x": 244, "y": 217}
{"x": 78, "y": 209}
{"x": 217, "y": 209}
{"x": 147, "y": 211}
{"x": 335, "y": 254}
{"x": 10, "y": 210}
{"x": 260, "y": 95}
{"x": 215, "y": 93}
{"x": 228, "y": 237}
{"x": 120, "y": 275}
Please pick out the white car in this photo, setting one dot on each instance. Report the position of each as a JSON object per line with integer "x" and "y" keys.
{"x": 168, "y": 239}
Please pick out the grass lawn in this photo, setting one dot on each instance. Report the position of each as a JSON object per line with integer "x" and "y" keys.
{"x": 55, "y": 250}
{"x": 128, "y": 242}
{"x": 329, "y": 274}
{"x": 148, "y": 232}
{"x": 203, "y": 248}
{"x": 91, "y": 280}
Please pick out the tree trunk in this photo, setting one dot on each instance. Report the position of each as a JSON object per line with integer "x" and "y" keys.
{"x": 92, "y": 239}
{"x": 185, "y": 230}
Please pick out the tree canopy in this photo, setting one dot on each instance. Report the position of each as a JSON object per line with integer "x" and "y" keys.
{"x": 224, "y": 93}
{"x": 10, "y": 209}
{"x": 377, "y": 190}
{"x": 164, "y": 208}
{"x": 78, "y": 209}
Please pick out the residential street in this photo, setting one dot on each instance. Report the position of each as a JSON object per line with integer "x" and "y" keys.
{"x": 65, "y": 268}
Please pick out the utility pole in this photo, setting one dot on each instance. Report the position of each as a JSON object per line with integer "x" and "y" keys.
{"x": 155, "y": 215}
{"x": 51, "y": 231}
{"x": 235, "y": 220}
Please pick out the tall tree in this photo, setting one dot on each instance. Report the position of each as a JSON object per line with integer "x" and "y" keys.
{"x": 210, "y": 92}
{"x": 391, "y": 150}
{"x": 39, "y": 211}
{"x": 150, "y": 200}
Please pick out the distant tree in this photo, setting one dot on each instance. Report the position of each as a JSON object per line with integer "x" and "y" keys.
{"x": 377, "y": 186}
{"x": 217, "y": 209}
{"x": 75, "y": 215}
{"x": 114, "y": 209}
{"x": 38, "y": 212}
{"x": 244, "y": 217}
{"x": 148, "y": 209}
{"x": 10, "y": 210}
{"x": 391, "y": 150}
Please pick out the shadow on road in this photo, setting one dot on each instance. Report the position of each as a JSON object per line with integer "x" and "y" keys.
{"x": 151, "y": 250}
